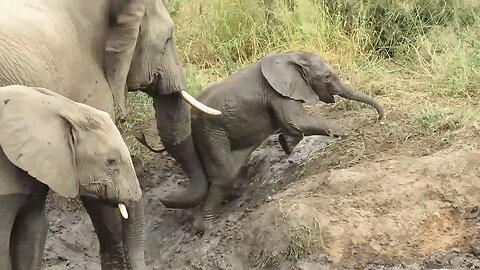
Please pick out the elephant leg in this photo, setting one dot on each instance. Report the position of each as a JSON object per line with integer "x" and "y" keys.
{"x": 295, "y": 121}
{"x": 288, "y": 142}
{"x": 216, "y": 193}
{"x": 9, "y": 206}
{"x": 222, "y": 167}
{"x": 30, "y": 232}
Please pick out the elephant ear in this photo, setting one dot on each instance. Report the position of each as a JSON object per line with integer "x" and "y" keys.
{"x": 38, "y": 140}
{"x": 120, "y": 47}
{"x": 283, "y": 73}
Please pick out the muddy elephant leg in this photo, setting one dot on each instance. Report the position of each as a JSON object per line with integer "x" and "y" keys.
{"x": 174, "y": 127}
{"x": 30, "y": 232}
{"x": 9, "y": 206}
{"x": 288, "y": 142}
{"x": 222, "y": 169}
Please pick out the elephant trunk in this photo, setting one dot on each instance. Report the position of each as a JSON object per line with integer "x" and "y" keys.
{"x": 348, "y": 93}
{"x": 174, "y": 127}
{"x": 121, "y": 240}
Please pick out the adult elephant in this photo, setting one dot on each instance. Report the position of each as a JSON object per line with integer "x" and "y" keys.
{"x": 93, "y": 51}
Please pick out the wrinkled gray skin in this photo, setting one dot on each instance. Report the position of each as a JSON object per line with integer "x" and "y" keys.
{"x": 92, "y": 51}
{"x": 262, "y": 99}
{"x": 50, "y": 142}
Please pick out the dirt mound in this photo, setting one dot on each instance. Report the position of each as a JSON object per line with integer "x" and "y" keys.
{"x": 391, "y": 211}
{"x": 400, "y": 213}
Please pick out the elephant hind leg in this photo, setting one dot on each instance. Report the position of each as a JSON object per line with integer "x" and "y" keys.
{"x": 29, "y": 232}
{"x": 9, "y": 206}
{"x": 222, "y": 166}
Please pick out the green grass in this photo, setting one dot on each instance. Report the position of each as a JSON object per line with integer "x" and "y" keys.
{"x": 434, "y": 119}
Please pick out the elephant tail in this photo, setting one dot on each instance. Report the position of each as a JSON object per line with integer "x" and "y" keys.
{"x": 141, "y": 139}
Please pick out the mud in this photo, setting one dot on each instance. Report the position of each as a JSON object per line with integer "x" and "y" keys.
{"x": 399, "y": 213}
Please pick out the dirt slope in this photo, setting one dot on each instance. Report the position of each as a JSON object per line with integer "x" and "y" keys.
{"x": 398, "y": 210}
{"x": 375, "y": 200}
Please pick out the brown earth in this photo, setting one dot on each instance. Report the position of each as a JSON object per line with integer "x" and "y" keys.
{"x": 377, "y": 199}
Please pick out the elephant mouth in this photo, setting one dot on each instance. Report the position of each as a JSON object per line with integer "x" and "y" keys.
{"x": 327, "y": 98}
{"x": 154, "y": 88}
{"x": 121, "y": 240}
{"x": 122, "y": 208}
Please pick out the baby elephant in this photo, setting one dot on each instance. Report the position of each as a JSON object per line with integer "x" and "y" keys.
{"x": 50, "y": 142}
{"x": 263, "y": 98}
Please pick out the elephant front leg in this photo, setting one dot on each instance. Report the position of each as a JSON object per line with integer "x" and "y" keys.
{"x": 288, "y": 142}
{"x": 297, "y": 123}
{"x": 30, "y": 232}
{"x": 9, "y": 206}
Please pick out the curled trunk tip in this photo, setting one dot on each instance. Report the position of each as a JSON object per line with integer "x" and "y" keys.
{"x": 381, "y": 113}
{"x": 352, "y": 95}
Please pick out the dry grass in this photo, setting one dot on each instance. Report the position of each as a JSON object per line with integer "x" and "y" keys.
{"x": 421, "y": 59}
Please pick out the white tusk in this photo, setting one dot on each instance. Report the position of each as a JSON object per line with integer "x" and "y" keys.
{"x": 123, "y": 210}
{"x": 197, "y": 104}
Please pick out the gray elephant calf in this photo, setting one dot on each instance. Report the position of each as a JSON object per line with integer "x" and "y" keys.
{"x": 256, "y": 102}
{"x": 50, "y": 142}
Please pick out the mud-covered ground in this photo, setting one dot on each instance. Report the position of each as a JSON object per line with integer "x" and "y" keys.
{"x": 305, "y": 211}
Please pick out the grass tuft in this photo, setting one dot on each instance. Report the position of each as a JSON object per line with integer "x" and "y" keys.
{"x": 436, "y": 119}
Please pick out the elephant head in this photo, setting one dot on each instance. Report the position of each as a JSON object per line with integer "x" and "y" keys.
{"x": 77, "y": 150}
{"x": 141, "y": 55}
{"x": 306, "y": 77}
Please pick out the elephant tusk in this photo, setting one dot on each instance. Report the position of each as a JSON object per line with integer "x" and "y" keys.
{"x": 197, "y": 104}
{"x": 123, "y": 210}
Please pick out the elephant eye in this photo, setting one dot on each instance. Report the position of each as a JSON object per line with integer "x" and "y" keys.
{"x": 112, "y": 161}
{"x": 328, "y": 77}
{"x": 168, "y": 40}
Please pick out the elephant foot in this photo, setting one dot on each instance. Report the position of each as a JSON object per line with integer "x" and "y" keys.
{"x": 203, "y": 223}
{"x": 199, "y": 223}
{"x": 188, "y": 198}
